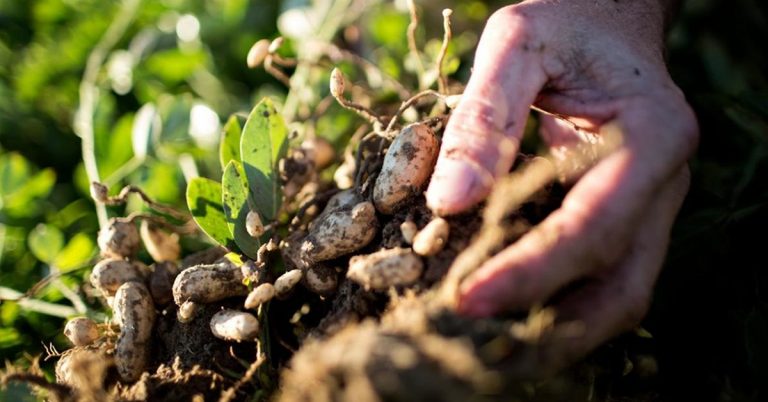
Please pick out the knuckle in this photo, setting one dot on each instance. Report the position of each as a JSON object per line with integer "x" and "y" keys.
{"x": 689, "y": 129}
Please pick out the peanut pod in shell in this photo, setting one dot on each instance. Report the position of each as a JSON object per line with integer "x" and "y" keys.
{"x": 407, "y": 167}
{"x": 209, "y": 283}
{"x": 135, "y": 313}
{"x": 385, "y": 268}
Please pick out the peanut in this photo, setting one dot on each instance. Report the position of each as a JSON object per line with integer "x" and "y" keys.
{"x": 110, "y": 273}
{"x": 119, "y": 239}
{"x": 209, "y": 283}
{"x": 233, "y": 325}
{"x": 407, "y": 167}
{"x": 321, "y": 279}
{"x": 260, "y": 295}
{"x": 385, "y": 268}
{"x": 340, "y": 231}
{"x": 161, "y": 245}
{"x": 135, "y": 313}
{"x": 408, "y": 229}
{"x": 431, "y": 239}
{"x": 286, "y": 282}
{"x": 81, "y": 331}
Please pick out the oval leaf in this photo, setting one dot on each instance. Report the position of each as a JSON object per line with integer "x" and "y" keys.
{"x": 234, "y": 187}
{"x": 45, "y": 242}
{"x": 229, "y": 148}
{"x": 263, "y": 143}
{"x": 204, "y": 202}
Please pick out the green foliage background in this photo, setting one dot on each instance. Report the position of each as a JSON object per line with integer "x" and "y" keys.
{"x": 709, "y": 319}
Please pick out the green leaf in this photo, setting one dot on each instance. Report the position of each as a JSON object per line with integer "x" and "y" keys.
{"x": 234, "y": 187}
{"x": 45, "y": 242}
{"x": 263, "y": 143}
{"x": 204, "y": 202}
{"x": 229, "y": 148}
{"x": 78, "y": 251}
{"x": 22, "y": 201}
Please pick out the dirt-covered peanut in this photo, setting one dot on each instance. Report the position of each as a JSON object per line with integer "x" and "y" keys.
{"x": 161, "y": 245}
{"x": 408, "y": 229}
{"x": 187, "y": 311}
{"x": 233, "y": 325}
{"x": 407, "y": 167}
{"x": 110, "y": 273}
{"x": 287, "y": 281}
{"x": 260, "y": 295}
{"x": 209, "y": 283}
{"x": 431, "y": 239}
{"x": 161, "y": 282}
{"x": 81, "y": 331}
{"x": 319, "y": 150}
{"x": 82, "y": 368}
{"x": 385, "y": 268}
{"x": 135, "y": 313}
{"x": 340, "y": 231}
{"x": 321, "y": 279}
{"x": 119, "y": 239}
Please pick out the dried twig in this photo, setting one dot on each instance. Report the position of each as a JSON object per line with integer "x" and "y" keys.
{"x": 408, "y": 103}
{"x": 338, "y": 85}
{"x": 442, "y": 81}
{"x": 412, "y": 26}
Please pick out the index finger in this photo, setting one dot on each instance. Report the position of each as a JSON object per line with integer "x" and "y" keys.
{"x": 483, "y": 134}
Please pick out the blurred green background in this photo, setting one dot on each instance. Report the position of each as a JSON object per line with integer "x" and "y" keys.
{"x": 182, "y": 60}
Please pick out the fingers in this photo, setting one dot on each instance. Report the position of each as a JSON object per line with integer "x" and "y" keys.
{"x": 483, "y": 133}
{"x": 618, "y": 301}
{"x": 592, "y": 230}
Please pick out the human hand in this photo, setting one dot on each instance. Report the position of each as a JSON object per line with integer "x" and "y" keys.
{"x": 595, "y": 63}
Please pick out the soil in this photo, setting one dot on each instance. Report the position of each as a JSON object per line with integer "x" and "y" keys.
{"x": 361, "y": 345}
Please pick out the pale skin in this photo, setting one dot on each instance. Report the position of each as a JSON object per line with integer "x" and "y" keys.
{"x": 595, "y": 62}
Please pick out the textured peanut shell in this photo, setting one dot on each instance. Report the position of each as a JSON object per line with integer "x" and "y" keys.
{"x": 135, "y": 314}
{"x": 385, "y": 268}
{"x": 209, "y": 283}
{"x": 81, "y": 331}
{"x": 321, "y": 279}
{"x": 340, "y": 231}
{"x": 118, "y": 239}
{"x": 407, "y": 167}
{"x": 110, "y": 273}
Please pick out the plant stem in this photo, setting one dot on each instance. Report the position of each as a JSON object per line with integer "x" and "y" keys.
{"x": 89, "y": 91}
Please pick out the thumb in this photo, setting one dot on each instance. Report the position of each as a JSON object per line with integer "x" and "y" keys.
{"x": 483, "y": 134}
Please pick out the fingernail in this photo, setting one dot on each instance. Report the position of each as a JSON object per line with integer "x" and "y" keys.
{"x": 455, "y": 186}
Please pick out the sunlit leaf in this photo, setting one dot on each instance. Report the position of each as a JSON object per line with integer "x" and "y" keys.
{"x": 204, "y": 202}
{"x": 234, "y": 186}
{"x": 263, "y": 143}
{"x": 78, "y": 251}
{"x": 229, "y": 148}
{"x": 21, "y": 202}
{"x": 45, "y": 242}
{"x": 174, "y": 66}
